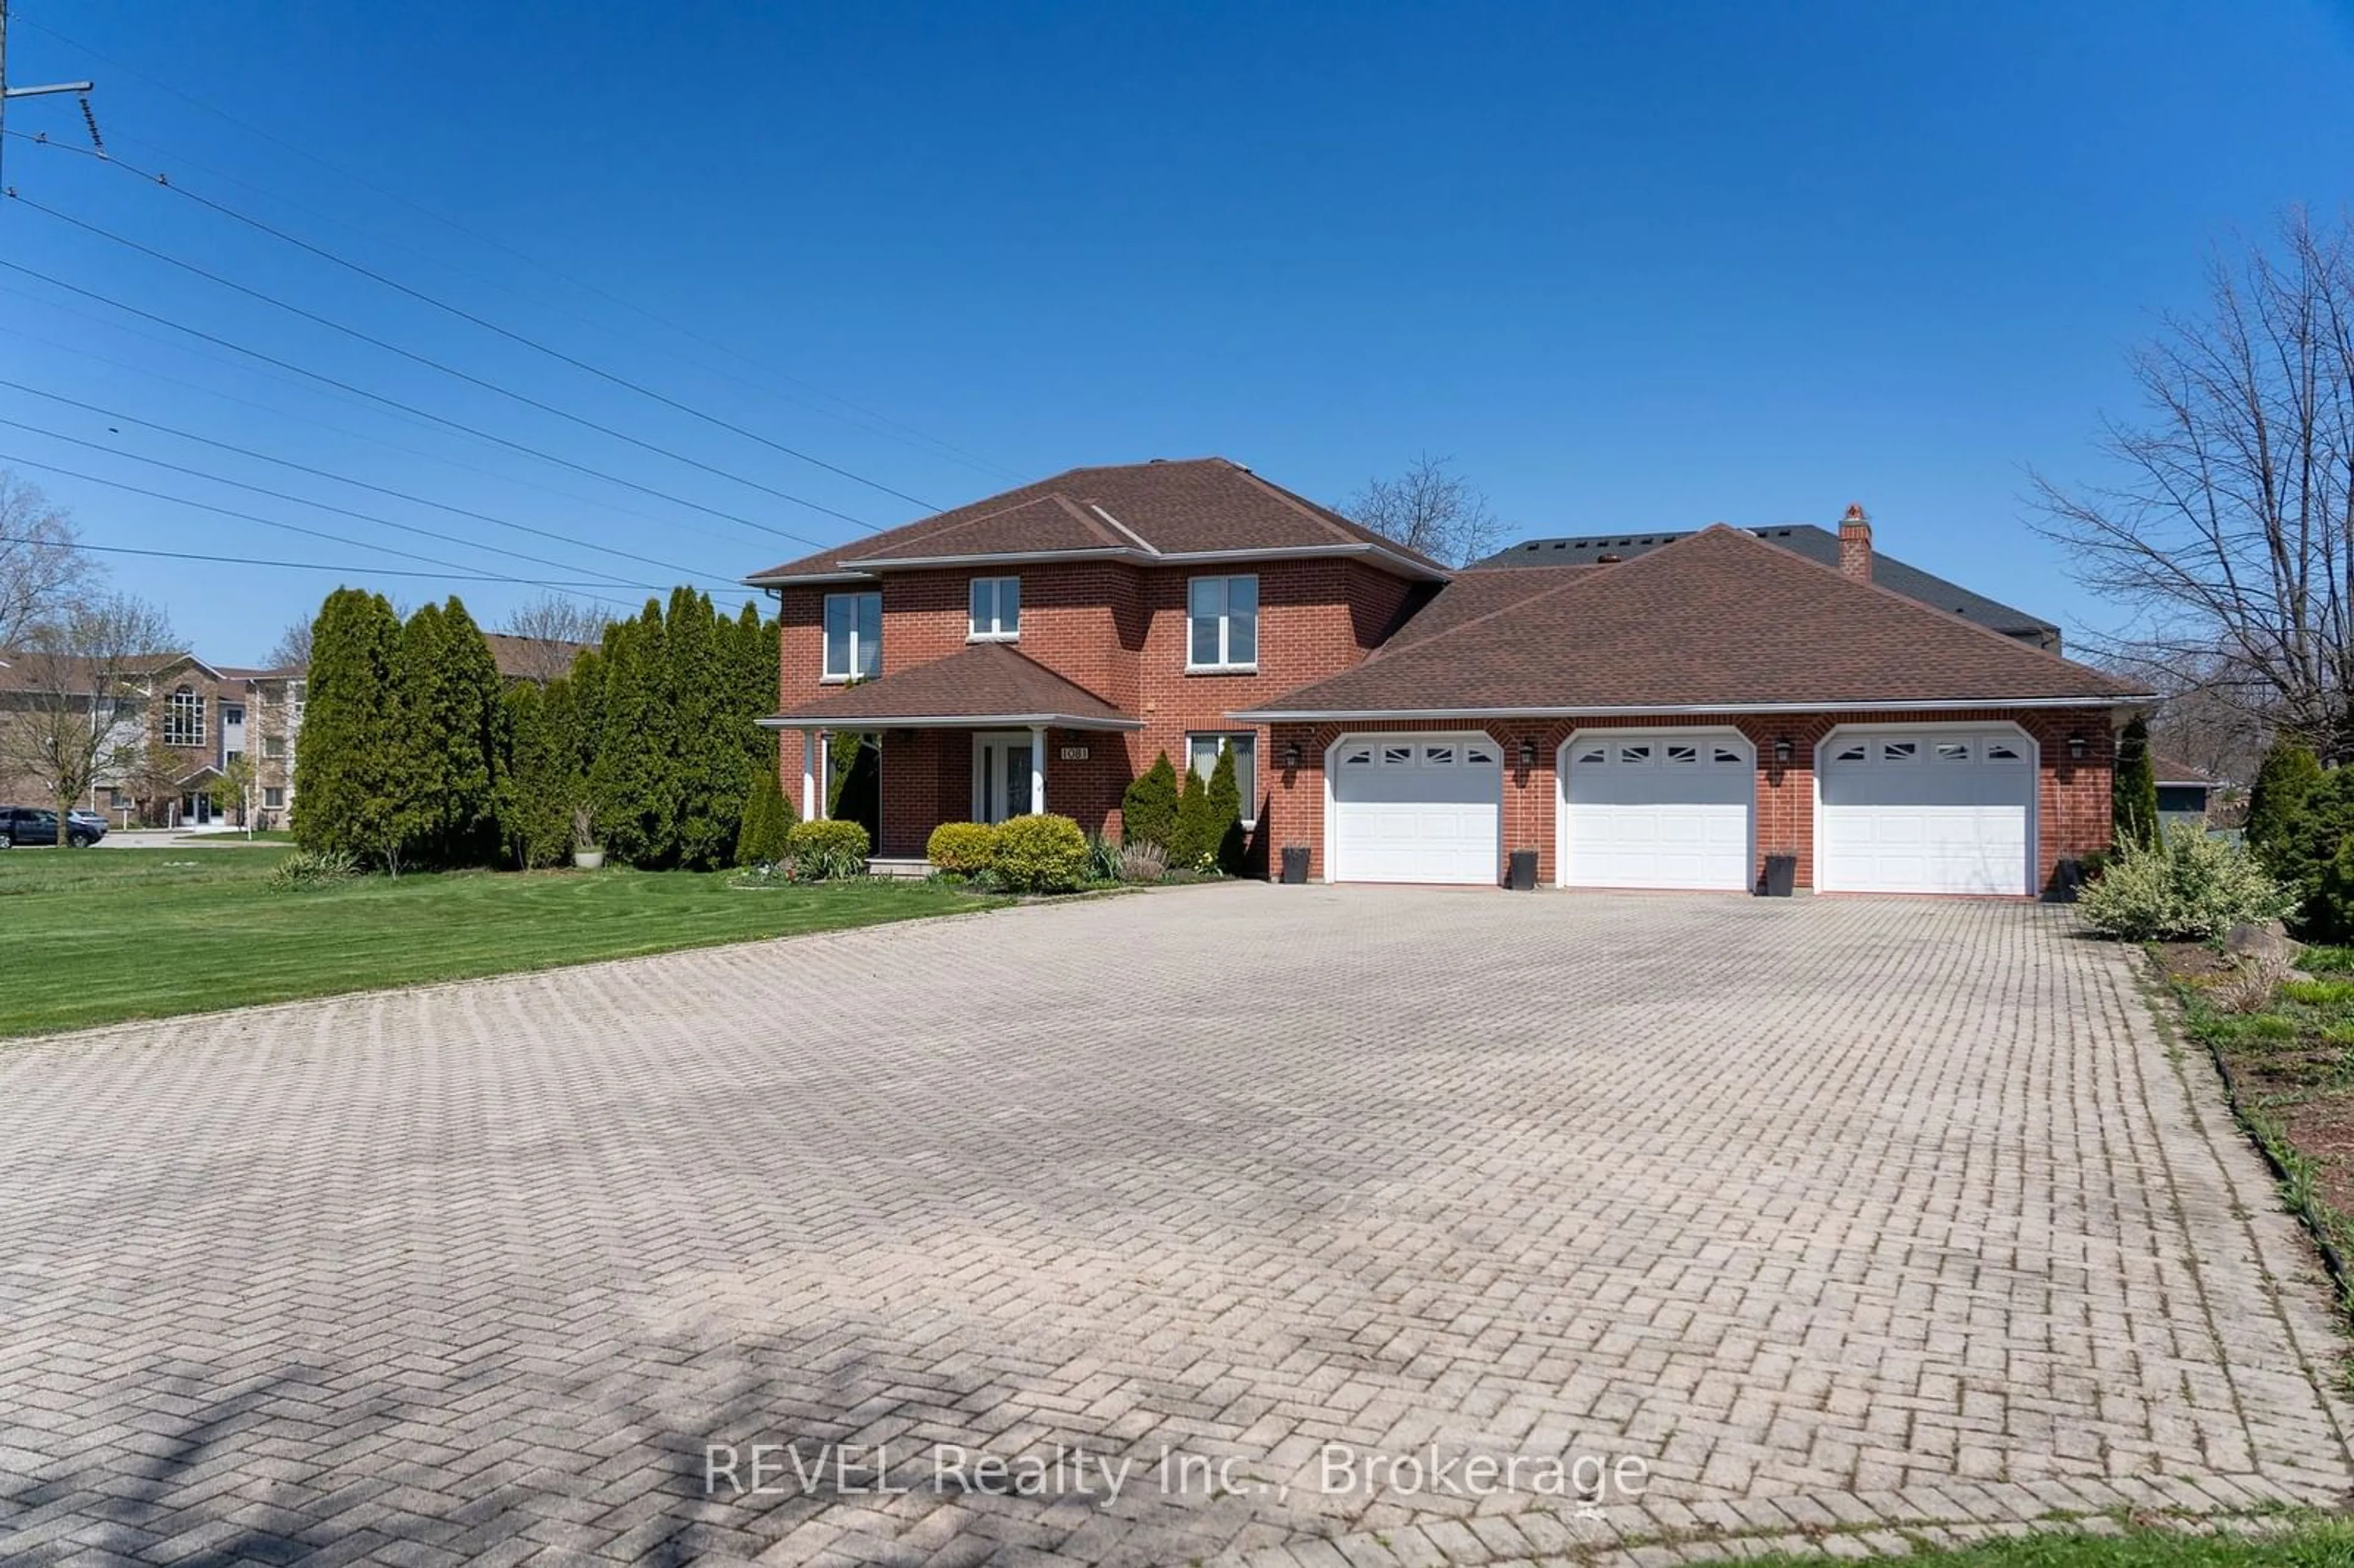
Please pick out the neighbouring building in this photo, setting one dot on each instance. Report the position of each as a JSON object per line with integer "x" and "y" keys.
{"x": 1665, "y": 711}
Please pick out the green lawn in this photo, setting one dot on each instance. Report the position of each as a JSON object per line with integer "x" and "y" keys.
{"x": 2318, "y": 1544}
{"x": 97, "y": 936}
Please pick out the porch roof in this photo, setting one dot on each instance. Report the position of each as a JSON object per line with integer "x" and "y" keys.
{"x": 986, "y": 686}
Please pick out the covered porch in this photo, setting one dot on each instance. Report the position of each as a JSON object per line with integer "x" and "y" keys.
{"x": 981, "y": 736}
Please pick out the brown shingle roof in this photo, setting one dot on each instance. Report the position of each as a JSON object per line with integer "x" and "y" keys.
{"x": 987, "y": 683}
{"x": 1193, "y": 505}
{"x": 1718, "y": 620}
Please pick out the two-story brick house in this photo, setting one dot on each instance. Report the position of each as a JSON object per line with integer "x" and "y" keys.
{"x": 1671, "y": 720}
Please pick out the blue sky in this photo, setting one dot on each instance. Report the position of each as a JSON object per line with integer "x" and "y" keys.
{"x": 1638, "y": 266}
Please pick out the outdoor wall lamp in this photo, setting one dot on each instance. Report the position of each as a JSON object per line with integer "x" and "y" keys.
{"x": 1528, "y": 752}
{"x": 1782, "y": 750}
{"x": 2076, "y": 746}
{"x": 1290, "y": 754}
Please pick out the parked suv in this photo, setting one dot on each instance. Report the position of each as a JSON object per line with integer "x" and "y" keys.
{"x": 33, "y": 825}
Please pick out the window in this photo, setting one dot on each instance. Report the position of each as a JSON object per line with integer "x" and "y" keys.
{"x": 296, "y": 690}
{"x": 1677, "y": 753}
{"x": 1476, "y": 754}
{"x": 1358, "y": 757}
{"x": 274, "y": 796}
{"x": 184, "y": 718}
{"x": 2001, "y": 751}
{"x": 1204, "y": 751}
{"x": 1590, "y": 754}
{"x": 1899, "y": 750}
{"x": 1724, "y": 754}
{"x": 996, "y": 610}
{"x": 1853, "y": 752}
{"x": 273, "y": 747}
{"x": 1635, "y": 754}
{"x": 853, "y": 636}
{"x": 1223, "y": 623}
{"x": 231, "y": 714}
{"x": 1397, "y": 757}
{"x": 1438, "y": 755}
{"x": 1951, "y": 751}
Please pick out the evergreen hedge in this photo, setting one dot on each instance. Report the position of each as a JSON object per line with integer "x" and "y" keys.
{"x": 1040, "y": 854}
{"x": 1226, "y": 811}
{"x": 2133, "y": 788}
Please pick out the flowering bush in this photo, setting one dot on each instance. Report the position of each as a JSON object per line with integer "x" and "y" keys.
{"x": 2185, "y": 887}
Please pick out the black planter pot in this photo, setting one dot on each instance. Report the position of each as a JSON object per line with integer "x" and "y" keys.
{"x": 1295, "y": 864}
{"x": 1523, "y": 877}
{"x": 1781, "y": 875}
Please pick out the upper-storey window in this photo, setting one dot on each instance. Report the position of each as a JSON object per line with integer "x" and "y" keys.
{"x": 996, "y": 610}
{"x": 1222, "y": 615}
{"x": 183, "y": 719}
{"x": 853, "y": 636}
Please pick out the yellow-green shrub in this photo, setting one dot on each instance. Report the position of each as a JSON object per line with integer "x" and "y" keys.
{"x": 964, "y": 848}
{"x": 824, "y": 850}
{"x": 1040, "y": 854}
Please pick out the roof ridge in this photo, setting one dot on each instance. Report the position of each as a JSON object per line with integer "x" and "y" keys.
{"x": 1392, "y": 645}
{"x": 1907, "y": 600}
{"x": 975, "y": 520}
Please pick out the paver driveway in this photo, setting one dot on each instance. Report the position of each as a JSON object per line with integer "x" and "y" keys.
{"x": 1828, "y": 1210}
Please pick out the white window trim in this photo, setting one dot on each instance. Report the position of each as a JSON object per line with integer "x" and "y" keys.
{"x": 827, "y": 677}
{"x": 972, "y": 632}
{"x": 1250, "y": 795}
{"x": 1226, "y": 626}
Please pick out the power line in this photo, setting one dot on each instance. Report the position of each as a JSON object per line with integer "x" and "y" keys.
{"x": 361, "y": 483}
{"x": 409, "y": 408}
{"x": 273, "y": 523}
{"x": 83, "y": 352}
{"x": 159, "y": 182}
{"x": 431, "y": 364}
{"x": 452, "y": 224}
{"x": 315, "y": 505}
{"x": 294, "y": 566}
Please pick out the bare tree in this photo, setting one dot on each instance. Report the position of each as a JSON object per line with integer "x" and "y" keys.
{"x": 2229, "y": 530}
{"x": 1429, "y": 508}
{"x": 553, "y": 629}
{"x": 39, "y": 565}
{"x": 77, "y": 697}
{"x": 293, "y": 649}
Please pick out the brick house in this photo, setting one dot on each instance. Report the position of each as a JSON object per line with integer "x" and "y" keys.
{"x": 1666, "y": 717}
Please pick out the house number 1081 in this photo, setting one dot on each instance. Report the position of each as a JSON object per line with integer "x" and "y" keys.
{"x": 1075, "y": 753}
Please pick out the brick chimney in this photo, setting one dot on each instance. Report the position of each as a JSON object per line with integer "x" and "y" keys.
{"x": 1855, "y": 545}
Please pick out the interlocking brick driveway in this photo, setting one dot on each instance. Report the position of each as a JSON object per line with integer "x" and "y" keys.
{"x": 1833, "y": 1211}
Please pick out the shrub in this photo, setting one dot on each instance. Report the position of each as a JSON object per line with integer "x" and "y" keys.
{"x": 761, "y": 838}
{"x": 1225, "y": 813}
{"x": 826, "y": 850}
{"x": 1143, "y": 862}
{"x": 312, "y": 868}
{"x": 1103, "y": 859}
{"x": 1148, "y": 809}
{"x": 2185, "y": 887}
{"x": 962, "y": 848}
{"x": 1040, "y": 854}
{"x": 1194, "y": 845}
{"x": 2284, "y": 790}
{"x": 2133, "y": 790}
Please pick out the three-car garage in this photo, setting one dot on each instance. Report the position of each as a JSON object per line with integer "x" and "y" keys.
{"x": 1925, "y": 808}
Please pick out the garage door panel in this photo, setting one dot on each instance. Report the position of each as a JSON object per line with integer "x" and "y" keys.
{"x": 1942, "y": 809}
{"x": 1415, "y": 809}
{"x": 1667, "y": 809}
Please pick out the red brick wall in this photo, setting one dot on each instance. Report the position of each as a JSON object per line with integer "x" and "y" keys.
{"x": 1118, "y": 631}
{"x": 2072, "y": 799}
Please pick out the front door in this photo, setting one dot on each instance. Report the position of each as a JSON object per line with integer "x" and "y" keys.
{"x": 1001, "y": 776}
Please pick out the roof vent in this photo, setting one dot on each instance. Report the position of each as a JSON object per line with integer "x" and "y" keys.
{"x": 1156, "y": 460}
{"x": 1608, "y": 559}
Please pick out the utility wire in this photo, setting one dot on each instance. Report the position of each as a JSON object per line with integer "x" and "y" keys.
{"x": 410, "y": 409}
{"x": 363, "y": 484}
{"x": 452, "y": 224}
{"x": 294, "y": 566}
{"x": 159, "y": 182}
{"x": 431, "y": 364}
{"x": 319, "y": 506}
{"x": 81, "y": 352}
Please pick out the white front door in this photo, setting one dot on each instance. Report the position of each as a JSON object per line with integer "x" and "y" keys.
{"x": 1416, "y": 807}
{"x": 1658, "y": 808}
{"x": 1001, "y": 776}
{"x": 1929, "y": 809}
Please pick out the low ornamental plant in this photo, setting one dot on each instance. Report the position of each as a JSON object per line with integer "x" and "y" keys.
{"x": 306, "y": 868}
{"x": 962, "y": 849}
{"x": 1040, "y": 854}
{"x": 2185, "y": 887}
{"x": 1142, "y": 863}
{"x": 826, "y": 850}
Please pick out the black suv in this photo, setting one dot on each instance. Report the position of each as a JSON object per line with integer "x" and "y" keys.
{"x": 33, "y": 825}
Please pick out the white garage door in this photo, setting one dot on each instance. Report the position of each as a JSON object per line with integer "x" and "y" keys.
{"x": 1657, "y": 810}
{"x": 1934, "y": 810}
{"x": 1416, "y": 807}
